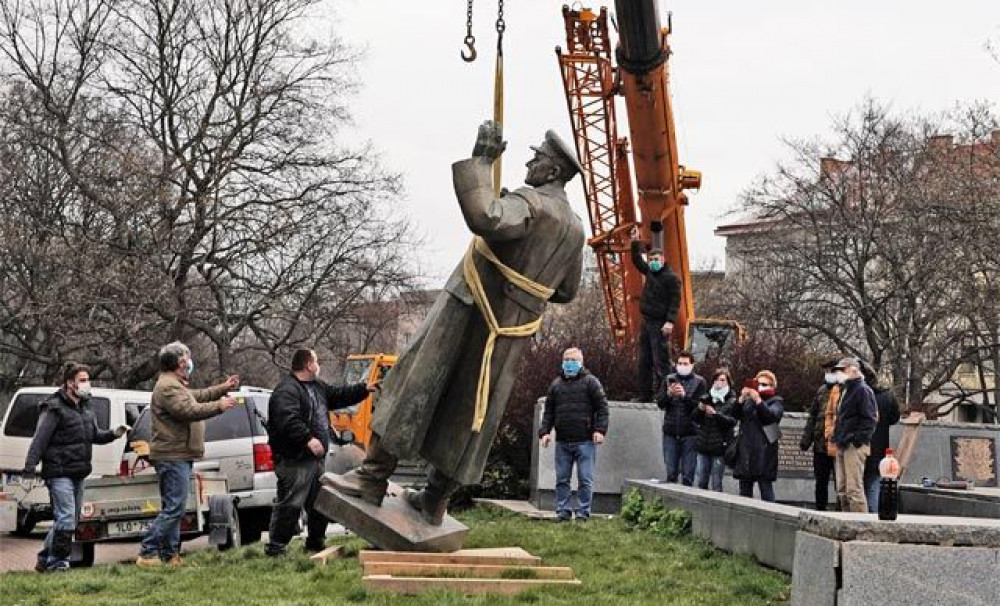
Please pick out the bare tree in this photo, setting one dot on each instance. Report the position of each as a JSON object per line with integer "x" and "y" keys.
{"x": 198, "y": 142}
{"x": 869, "y": 241}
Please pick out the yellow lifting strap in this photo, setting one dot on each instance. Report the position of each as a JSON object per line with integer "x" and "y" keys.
{"x": 472, "y": 278}
{"x": 498, "y": 113}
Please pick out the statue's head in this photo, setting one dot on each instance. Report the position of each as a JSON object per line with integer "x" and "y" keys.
{"x": 553, "y": 161}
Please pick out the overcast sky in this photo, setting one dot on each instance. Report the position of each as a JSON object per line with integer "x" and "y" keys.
{"x": 744, "y": 74}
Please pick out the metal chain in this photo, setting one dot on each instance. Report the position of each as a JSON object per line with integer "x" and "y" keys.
{"x": 470, "y": 40}
{"x": 501, "y": 24}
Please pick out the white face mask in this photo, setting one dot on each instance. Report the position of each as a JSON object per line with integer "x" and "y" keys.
{"x": 684, "y": 369}
{"x": 830, "y": 378}
{"x": 841, "y": 377}
{"x": 83, "y": 389}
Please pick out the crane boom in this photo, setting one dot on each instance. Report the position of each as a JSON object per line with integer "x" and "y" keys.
{"x": 592, "y": 81}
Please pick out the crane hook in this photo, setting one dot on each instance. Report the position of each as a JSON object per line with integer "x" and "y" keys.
{"x": 470, "y": 46}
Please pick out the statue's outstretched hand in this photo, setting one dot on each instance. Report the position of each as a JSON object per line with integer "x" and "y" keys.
{"x": 489, "y": 141}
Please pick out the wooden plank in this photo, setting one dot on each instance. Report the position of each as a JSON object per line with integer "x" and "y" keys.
{"x": 908, "y": 440}
{"x": 330, "y": 553}
{"x": 465, "y": 556}
{"x": 413, "y": 585}
{"x": 465, "y": 570}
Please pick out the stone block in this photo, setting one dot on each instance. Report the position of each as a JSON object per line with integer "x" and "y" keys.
{"x": 908, "y": 575}
{"x": 921, "y": 529}
{"x": 395, "y": 526}
{"x": 814, "y": 576}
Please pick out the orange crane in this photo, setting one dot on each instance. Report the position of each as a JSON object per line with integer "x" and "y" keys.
{"x": 592, "y": 81}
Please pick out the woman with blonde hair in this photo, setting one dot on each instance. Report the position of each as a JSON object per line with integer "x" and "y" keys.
{"x": 759, "y": 411}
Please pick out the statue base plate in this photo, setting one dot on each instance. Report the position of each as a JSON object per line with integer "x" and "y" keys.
{"x": 395, "y": 526}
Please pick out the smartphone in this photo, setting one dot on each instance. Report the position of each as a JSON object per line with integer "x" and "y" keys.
{"x": 750, "y": 384}
{"x": 671, "y": 380}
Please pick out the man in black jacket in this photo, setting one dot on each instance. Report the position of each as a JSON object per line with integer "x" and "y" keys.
{"x": 678, "y": 399}
{"x": 822, "y": 415}
{"x": 856, "y": 416}
{"x": 299, "y": 434}
{"x": 66, "y": 431}
{"x": 578, "y": 410}
{"x": 888, "y": 414}
{"x": 661, "y": 298}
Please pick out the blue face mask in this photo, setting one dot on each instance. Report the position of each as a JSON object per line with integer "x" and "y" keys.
{"x": 571, "y": 368}
{"x": 655, "y": 265}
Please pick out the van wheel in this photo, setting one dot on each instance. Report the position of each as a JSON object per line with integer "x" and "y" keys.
{"x": 25, "y": 523}
{"x": 233, "y": 536}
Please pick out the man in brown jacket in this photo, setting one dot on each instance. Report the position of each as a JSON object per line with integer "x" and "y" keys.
{"x": 444, "y": 399}
{"x": 178, "y": 440}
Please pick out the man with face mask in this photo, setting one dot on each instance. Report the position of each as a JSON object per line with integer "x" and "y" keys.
{"x": 66, "y": 431}
{"x": 445, "y": 398}
{"x": 577, "y": 409}
{"x": 678, "y": 398}
{"x": 818, "y": 433}
{"x": 299, "y": 434}
{"x": 856, "y": 417}
{"x": 661, "y": 298}
{"x": 178, "y": 440}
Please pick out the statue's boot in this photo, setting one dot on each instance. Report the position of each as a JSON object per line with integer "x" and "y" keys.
{"x": 432, "y": 501}
{"x": 371, "y": 479}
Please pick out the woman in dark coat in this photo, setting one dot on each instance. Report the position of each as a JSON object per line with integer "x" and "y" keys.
{"x": 715, "y": 422}
{"x": 759, "y": 411}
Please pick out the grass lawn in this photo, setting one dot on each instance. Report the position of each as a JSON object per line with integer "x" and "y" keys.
{"x": 616, "y": 564}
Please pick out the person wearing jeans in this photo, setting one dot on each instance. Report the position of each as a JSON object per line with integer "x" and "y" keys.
{"x": 678, "y": 398}
{"x": 577, "y": 409}
{"x": 63, "y": 440}
{"x": 178, "y": 440}
{"x": 715, "y": 423}
{"x": 163, "y": 538}
{"x": 759, "y": 412}
{"x": 888, "y": 414}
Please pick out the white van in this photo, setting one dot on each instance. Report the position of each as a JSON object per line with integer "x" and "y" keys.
{"x": 112, "y": 407}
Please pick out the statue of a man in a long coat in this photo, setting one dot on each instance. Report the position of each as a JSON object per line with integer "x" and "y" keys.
{"x": 441, "y": 402}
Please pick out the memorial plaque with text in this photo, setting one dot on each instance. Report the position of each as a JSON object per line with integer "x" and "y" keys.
{"x": 792, "y": 462}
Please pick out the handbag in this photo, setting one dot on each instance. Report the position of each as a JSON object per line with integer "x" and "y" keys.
{"x": 732, "y": 454}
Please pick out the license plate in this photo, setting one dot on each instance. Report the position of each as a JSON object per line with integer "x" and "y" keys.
{"x": 128, "y": 528}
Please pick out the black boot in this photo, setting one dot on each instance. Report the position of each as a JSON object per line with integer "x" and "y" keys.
{"x": 371, "y": 479}
{"x": 432, "y": 501}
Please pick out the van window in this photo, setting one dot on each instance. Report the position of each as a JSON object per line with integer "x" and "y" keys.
{"x": 232, "y": 424}
{"x": 23, "y": 417}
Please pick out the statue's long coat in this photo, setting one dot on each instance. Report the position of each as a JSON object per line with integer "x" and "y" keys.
{"x": 428, "y": 400}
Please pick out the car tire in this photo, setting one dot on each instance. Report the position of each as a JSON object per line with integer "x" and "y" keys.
{"x": 233, "y": 536}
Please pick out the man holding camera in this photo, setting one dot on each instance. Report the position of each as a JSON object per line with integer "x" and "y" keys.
{"x": 678, "y": 399}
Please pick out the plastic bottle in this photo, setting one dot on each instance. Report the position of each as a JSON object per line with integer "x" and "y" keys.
{"x": 888, "y": 497}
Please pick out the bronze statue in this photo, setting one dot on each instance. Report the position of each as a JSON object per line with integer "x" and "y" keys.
{"x": 444, "y": 399}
